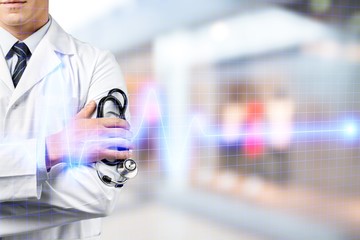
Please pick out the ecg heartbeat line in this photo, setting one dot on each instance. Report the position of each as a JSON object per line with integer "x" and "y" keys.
{"x": 196, "y": 124}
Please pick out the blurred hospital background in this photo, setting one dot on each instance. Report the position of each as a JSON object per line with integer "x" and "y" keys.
{"x": 246, "y": 115}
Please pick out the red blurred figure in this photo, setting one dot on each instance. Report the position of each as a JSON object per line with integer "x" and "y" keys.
{"x": 254, "y": 137}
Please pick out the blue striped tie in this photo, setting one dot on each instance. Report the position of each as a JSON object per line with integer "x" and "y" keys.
{"x": 23, "y": 53}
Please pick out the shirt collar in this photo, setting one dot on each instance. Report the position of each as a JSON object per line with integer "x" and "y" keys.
{"x": 33, "y": 40}
{"x": 7, "y": 40}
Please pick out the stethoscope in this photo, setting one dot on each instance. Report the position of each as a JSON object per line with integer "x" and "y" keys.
{"x": 115, "y": 173}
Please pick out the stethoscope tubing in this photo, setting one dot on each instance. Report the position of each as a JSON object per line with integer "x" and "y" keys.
{"x": 125, "y": 175}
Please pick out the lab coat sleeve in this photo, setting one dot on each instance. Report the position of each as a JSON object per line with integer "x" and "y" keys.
{"x": 78, "y": 188}
{"x": 21, "y": 170}
{"x": 107, "y": 76}
{"x": 71, "y": 193}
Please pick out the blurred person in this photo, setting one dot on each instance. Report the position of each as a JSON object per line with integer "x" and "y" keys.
{"x": 254, "y": 139}
{"x": 232, "y": 122}
{"x": 50, "y": 83}
{"x": 254, "y": 143}
{"x": 279, "y": 117}
{"x": 233, "y": 115}
{"x": 242, "y": 148}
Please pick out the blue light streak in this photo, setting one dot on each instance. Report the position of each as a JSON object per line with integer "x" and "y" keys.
{"x": 200, "y": 128}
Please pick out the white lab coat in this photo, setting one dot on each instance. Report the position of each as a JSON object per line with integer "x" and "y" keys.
{"x": 62, "y": 75}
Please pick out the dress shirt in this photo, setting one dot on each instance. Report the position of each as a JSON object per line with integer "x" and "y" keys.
{"x": 7, "y": 41}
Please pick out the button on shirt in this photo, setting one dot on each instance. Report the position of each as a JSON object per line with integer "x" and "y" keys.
{"x": 7, "y": 41}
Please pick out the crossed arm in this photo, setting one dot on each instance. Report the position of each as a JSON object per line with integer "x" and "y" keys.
{"x": 91, "y": 139}
{"x": 70, "y": 193}
{"x": 67, "y": 193}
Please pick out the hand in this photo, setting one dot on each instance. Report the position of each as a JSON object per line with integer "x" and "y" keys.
{"x": 85, "y": 140}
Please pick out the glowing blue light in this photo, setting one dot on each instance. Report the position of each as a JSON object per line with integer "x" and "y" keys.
{"x": 350, "y": 129}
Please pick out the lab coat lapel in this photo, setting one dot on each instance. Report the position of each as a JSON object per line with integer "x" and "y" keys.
{"x": 5, "y": 76}
{"x": 44, "y": 61}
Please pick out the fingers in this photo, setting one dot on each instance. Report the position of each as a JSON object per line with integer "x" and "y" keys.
{"x": 113, "y": 154}
{"x": 108, "y": 138}
{"x": 116, "y": 133}
{"x": 107, "y": 143}
{"x": 113, "y": 143}
{"x": 87, "y": 111}
{"x": 114, "y": 123}
{"x": 111, "y": 149}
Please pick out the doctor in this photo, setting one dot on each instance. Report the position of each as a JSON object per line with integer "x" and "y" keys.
{"x": 49, "y": 86}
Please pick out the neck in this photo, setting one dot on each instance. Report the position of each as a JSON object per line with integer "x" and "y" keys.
{"x": 24, "y": 31}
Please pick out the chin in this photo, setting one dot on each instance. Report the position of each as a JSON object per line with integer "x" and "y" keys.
{"x": 13, "y": 19}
